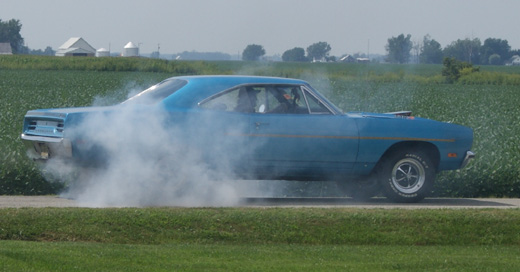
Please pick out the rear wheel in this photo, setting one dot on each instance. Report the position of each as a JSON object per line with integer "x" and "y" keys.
{"x": 407, "y": 176}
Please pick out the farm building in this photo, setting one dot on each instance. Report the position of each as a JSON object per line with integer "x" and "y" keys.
{"x": 76, "y": 47}
{"x": 102, "y": 52}
{"x": 348, "y": 59}
{"x": 130, "y": 50}
{"x": 515, "y": 60}
{"x": 5, "y": 49}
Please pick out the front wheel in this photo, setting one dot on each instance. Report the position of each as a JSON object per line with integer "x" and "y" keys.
{"x": 407, "y": 176}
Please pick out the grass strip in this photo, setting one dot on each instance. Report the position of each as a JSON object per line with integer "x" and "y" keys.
{"x": 261, "y": 226}
{"x": 79, "y": 256}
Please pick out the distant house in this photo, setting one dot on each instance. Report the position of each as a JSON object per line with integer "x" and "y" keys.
{"x": 515, "y": 60}
{"x": 352, "y": 59}
{"x": 5, "y": 49}
{"x": 76, "y": 47}
{"x": 348, "y": 59}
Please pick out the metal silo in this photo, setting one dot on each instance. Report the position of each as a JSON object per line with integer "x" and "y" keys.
{"x": 102, "y": 52}
{"x": 130, "y": 50}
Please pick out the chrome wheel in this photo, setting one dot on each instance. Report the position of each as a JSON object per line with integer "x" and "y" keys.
{"x": 408, "y": 176}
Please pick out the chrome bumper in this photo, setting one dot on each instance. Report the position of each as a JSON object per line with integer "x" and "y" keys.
{"x": 43, "y": 148}
{"x": 469, "y": 156}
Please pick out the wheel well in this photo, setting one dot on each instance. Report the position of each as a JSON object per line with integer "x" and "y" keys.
{"x": 430, "y": 149}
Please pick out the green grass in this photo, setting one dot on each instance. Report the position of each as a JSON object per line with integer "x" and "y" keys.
{"x": 243, "y": 226}
{"x": 258, "y": 239}
{"x": 66, "y": 256}
{"x": 32, "y": 62}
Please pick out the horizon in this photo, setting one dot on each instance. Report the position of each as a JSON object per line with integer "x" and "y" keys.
{"x": 228, "y": 26}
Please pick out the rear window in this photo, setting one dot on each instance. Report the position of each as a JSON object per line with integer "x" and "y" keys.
{"x": 157, "y": 92}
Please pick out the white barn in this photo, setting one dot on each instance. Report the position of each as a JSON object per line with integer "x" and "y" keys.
{"x": 76, "y": 47}
{"x": 5, "y": 49}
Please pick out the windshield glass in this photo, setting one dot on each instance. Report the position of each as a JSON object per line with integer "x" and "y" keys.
{"x": 324, "y": 99}
{"x": 157, "y": 92}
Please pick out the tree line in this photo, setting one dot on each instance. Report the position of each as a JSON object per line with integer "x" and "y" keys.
{"x": 315, "y": 52}
{"x": 493, "y": 51}
{"x": 399, "y": 49}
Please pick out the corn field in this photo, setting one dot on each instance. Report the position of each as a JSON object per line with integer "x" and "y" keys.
{"x": 492, "y": 110}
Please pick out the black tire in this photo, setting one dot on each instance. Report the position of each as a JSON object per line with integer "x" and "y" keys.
{"x": 407, "y": 176}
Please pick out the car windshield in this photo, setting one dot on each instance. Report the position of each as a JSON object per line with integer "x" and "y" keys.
{"x": 157, "y": 92}
{"x": 323, "y": 98}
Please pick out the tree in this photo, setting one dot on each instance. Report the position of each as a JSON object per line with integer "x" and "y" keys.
{"x": 453, "y": 69}
{"x": 295, "y": 54}
{"x": 493, "y": 47}
{"x": 47, "y": 52}
{"x": 10, "y": 32}
{"x": 464, "y": 50}
{"x": 318, "y": 51}
{"x": 495, "y": 60}
{"x": 399, "y": 48}
{"x": 417, "y": 49}
{"x": 431, "y": 51}
{"x": 253, "y": 52}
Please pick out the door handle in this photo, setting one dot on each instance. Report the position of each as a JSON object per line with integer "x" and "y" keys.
{"x": 259, "y": 124}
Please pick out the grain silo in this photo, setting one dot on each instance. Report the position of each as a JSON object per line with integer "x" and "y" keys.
{"x": 102, "y": 52}
{"x": 130, "y": 50}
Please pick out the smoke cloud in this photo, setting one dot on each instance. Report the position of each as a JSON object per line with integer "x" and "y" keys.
{"x": 153, "y": 157}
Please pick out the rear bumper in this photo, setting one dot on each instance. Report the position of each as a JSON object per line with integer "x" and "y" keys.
{"x": 469, "y": 156}
{"x": 43, "y": 148}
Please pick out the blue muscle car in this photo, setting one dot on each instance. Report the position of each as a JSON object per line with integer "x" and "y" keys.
{"x": 276, "y": 128}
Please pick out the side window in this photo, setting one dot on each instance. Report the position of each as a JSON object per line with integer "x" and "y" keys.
{"x": 242, "y": 99}
{"x": 224, "y": 102}
{"x": 281, "y": 100}
{"x": 272, "y": 100}
{"x": 269, "y": 99}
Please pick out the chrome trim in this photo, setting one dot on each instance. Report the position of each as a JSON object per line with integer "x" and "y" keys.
{"x": 400, "y": 113}
{"x": 41, "y": 139}
{"x": 43, "y": 148}
{"x": 469, "y": 156}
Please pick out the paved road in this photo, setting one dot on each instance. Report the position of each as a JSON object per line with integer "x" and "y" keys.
{"x": 380, "y": 203}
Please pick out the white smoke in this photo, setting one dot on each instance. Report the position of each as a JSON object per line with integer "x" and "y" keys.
{"x": 153, "y": 157}
{"x": 150, "y": 163}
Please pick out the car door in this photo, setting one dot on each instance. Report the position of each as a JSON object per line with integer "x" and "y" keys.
{"x": 294, "y": 134}
{"x": 224, "y": 120}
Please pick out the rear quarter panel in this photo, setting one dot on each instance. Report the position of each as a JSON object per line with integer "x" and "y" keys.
{"x": 377, "y": 135}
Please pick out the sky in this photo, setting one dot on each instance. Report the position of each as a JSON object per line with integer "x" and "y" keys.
{"x": 228, "y": 26}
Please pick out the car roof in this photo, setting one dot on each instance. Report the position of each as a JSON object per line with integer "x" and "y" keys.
{"x": 233, "y": 80}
